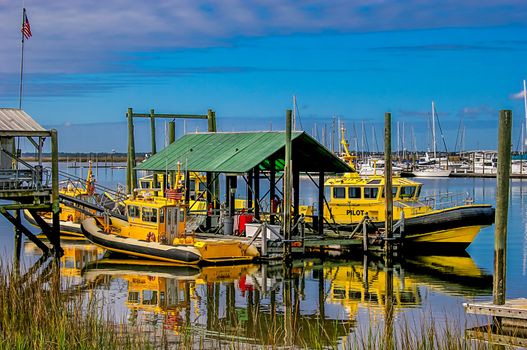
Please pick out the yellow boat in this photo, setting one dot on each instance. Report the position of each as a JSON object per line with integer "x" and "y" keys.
{"x": 71, "y": 218}
{"x": 353, "y": 197}
{"x": 156, "y": 229}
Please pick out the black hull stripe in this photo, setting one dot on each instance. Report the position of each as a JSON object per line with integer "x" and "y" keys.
{"x": 174, "y": 254}
{"x": 446, "y": 220}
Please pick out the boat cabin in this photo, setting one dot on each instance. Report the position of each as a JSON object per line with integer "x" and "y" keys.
{"x": 352, "y": 197}
{"x": 155, "y": 219}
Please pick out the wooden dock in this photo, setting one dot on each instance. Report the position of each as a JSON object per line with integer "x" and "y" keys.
{"x": 508, "y": 326}
{"x": 512, "y": 309}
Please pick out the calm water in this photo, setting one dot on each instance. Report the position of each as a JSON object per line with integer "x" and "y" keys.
{"x": 250, "y": 302}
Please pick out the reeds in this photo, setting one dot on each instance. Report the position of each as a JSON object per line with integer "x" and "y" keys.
{"x": 40, "y": 313}
{"x": 37, "y": 313}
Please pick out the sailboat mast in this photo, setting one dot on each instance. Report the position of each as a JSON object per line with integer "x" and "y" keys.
{"x": 525, "y": 108}
{"x": 294, "y": 113}
{"x": 433, "y": 130}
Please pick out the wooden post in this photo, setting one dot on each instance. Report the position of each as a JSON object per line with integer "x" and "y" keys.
{"x": 502, "y": 206}
{"x": 287, "y": 186}
{"x": 208, "y": 220}
{"x": 388, "y": 223}
{"x": 257, "y": 192}
{"x": 130, "y": 168}
{"x": 272, "y": 190}
{"x": 171, "y": 132}
{"x": 55, "y": 193}
{"x": 296, "y": 196}
{"x": 321, "y": 203}
{"x": 211, "y": 127}
{"x": 250, "y": 192}
{"x": 155, "y": 183}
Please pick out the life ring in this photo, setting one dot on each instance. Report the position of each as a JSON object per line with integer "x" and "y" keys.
{"x": 150, "y": 237}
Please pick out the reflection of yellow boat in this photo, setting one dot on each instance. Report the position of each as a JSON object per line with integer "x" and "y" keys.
{"x": 352, "y": 197}
{"x": 156, "y": 229}
{"x": 354, "y": 286}
{"x": 76, "y": 255}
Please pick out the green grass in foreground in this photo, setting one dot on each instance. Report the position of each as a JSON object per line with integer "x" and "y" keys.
{"x": 37, "y": 314}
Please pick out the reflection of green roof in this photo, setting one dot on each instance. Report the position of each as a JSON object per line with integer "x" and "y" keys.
{"x": 243, "y": 151}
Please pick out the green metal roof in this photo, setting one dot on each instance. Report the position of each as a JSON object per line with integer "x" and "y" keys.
{"x": 240, "y": 152}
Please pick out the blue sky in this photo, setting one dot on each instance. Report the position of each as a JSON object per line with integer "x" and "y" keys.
{"x": 88, "y": 61}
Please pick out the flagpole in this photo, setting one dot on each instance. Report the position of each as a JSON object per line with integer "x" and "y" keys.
{"x": 22, "y": 59}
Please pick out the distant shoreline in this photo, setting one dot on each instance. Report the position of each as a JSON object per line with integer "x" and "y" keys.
{"x": 85, "y": 157}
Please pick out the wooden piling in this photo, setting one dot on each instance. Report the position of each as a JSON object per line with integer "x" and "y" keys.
{"x": 55, "y": 206}
{"x": 388, "y": 223}
{"x": 131, "y": 175}
{"x": 272, "y": 190}
{"x": 321, "y": 203}
{"x": 171, "y": 132}
{"x": 287, "y": 186}
{"x": 155, "y": 183}
{"x": 502, "y": 206}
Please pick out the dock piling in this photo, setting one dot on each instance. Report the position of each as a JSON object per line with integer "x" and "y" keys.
{"x": 502, "y": 206}
{"x": 388, "y": 224}
{"x": 287, "y": 186}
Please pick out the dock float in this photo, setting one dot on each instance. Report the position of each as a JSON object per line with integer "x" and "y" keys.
{"x": 513, "y": 309}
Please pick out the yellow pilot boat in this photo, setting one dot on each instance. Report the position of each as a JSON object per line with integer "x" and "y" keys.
{"x": 156, "y": 229}
{"x": 71, "y": 218}
{"x": 352, "y": 198}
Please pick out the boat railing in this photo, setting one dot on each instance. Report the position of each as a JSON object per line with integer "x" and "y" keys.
{"x": 448, "y": 199}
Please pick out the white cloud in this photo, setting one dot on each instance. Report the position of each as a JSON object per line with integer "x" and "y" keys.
{"x": 85, "y": 36}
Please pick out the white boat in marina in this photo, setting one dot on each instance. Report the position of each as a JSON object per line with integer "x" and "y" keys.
{"x": 375, "y": 167}
{"x": 432, "y": 172}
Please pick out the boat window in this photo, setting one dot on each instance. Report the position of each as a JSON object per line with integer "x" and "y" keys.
{"x": 374, "y": 182}
{"x": 407, "y": 191}
{"x": 145, "y": 184}
{"x": 354, "y": 192}
{"x": 418, "y": 192}
{"x": 202, "y": 186}
{"x": 371, "y": 192}
{"x": 181, "y": 215}
{"x": 394, "y": 192}
{"x": 192, "y": 185}
{"x": 149, "y": 297}
{"x": 133, "y": 297}
{"x": 133, "y": 211}
{"x": 339, "y": 192}
{"x": 161, "y": 216}
{"x": 149, "y": 214}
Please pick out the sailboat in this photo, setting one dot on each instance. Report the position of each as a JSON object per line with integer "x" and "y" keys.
{"x": 434, "y": 170}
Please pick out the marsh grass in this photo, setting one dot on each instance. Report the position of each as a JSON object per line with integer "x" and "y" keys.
{"x": 40, "y": 313}
{"x": 36, "y": 313}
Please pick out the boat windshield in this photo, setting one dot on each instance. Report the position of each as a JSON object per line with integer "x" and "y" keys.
{"x": 354, "y": 193}
{"x": 407, "y": 191}
{"x": 371, "y": 192}
{"x": 394, "y": 192}
{"x": 339, "y": 192}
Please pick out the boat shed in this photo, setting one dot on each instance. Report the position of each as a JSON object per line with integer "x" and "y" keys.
{"x": 28, "y": 186}
{"x": 253, "y": 155}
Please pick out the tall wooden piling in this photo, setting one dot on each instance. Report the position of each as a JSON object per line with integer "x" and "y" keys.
{"x": 388, "y": 223}
{"x": 321, "y": 203}
{"x": 502, "y": 206}
{"x": 287, "y": 185}
{"x": 153, "y": 141}
{"x": 55, "y": 207}
{"x": 171, "y": 132}
{"x": 153, "y": 131}
{"x": 131, "y": 174}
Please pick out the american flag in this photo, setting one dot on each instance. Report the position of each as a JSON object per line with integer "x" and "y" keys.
{"x": 26, "y": 29}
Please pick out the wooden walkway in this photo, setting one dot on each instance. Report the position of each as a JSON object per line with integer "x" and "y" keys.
{"x": 514, "y": 308}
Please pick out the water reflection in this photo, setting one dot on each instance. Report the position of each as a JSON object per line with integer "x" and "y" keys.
{"x": 314, "y": 302}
